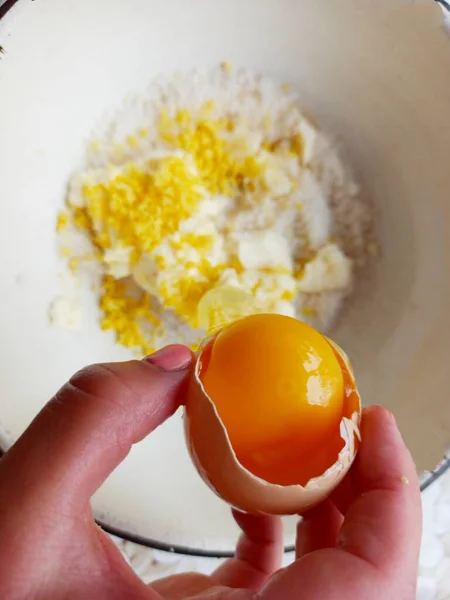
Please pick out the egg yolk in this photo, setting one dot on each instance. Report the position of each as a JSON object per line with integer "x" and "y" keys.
{"x": 278, "y": 388}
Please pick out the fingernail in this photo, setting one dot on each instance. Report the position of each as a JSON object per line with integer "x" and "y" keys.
{"x": 171, "y": 358}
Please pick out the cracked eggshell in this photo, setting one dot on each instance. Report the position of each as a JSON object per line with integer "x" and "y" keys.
{"x": 215, "y": 460}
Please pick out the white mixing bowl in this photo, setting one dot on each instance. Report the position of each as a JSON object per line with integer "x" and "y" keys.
{"x": 375, "y": 74}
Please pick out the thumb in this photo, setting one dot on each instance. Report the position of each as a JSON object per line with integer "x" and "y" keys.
{"x": 88, "y": 428}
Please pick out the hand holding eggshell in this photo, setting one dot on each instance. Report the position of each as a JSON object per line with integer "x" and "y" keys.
{"x": 272, "y": 415}
{"x": 366, "y": 537}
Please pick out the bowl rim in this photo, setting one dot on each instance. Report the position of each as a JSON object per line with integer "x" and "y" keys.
{"x": 445, "y": 4}
{"x": 5, "y": 5}
{"x": 426, "y": 479}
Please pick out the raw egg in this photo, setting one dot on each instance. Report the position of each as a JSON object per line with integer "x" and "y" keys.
{"x": 272, "y": 414}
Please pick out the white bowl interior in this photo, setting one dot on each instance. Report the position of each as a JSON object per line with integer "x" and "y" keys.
{"x": 376, "y": 75}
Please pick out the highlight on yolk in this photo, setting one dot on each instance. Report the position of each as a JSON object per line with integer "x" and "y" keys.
{"x": 278, "y": 388}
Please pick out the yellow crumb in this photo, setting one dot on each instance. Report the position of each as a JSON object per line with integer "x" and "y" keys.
{"x": 63, "y": 220}
{"x": 288, "y": 295}
{"x": 227, "y": 66}
{"x": 125, "y": 315}
{"x": 209, "y": 106}
{"x": 285, "y": 88}
{"x": 219, "y": 171}
{"x": 297, "y": 145}
{"x": 405, "y": 480}
{"x": 132, "y": 141}
{"x": 183, "y": 117}
{"x": 142, "y": 207}
{"x": 308, "y": 311}
{"x": 74, "y": 264}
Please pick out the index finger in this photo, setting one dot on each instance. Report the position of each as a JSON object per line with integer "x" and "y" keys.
{"x": 383, "y": 523}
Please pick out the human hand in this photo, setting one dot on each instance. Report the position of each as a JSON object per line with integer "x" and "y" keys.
{"x": 361, "y": 544}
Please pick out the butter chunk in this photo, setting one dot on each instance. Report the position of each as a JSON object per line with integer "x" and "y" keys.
{"x": 264, "y": 250}
{"x": 329, "y": 270}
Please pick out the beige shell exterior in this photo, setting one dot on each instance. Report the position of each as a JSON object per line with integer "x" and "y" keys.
{"x": 215, "y": 460}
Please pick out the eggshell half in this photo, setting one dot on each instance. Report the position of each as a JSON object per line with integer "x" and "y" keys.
{"x": 216, "y": 461}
